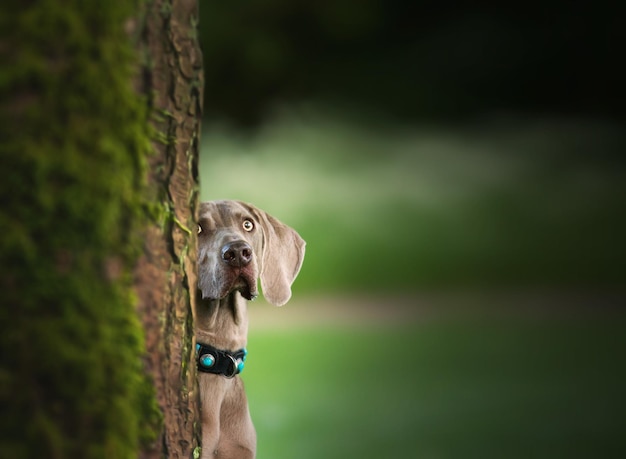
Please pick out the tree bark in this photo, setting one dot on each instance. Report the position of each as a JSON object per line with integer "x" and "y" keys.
{"x": 166, "y": 274}
{"x": 99, "y": 120}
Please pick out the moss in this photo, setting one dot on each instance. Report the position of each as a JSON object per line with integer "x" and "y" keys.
{"x": 182, "y": 226}
{"x": 75, "y": 137}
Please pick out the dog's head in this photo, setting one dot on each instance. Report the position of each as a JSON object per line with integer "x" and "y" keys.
{"x": 238, "y": 244}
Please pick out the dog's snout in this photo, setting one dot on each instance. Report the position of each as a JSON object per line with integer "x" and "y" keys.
{"x": 238, "y": 253}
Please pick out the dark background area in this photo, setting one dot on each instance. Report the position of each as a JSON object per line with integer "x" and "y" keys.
{"x": 414, "y": 60}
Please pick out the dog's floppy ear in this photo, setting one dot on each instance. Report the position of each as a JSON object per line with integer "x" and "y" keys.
{"x": 283, "y": 253}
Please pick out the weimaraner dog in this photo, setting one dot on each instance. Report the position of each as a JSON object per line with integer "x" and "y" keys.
{"x": 237, "y": 245}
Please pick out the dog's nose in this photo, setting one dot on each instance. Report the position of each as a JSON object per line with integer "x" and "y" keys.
{"x": 238, "y": 254}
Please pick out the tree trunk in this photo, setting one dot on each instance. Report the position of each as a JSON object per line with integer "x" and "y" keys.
{"x": 99, "y": 125}
{"x": 165, "y": 276}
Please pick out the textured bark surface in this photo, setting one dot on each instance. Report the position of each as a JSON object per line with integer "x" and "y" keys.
{"x": 99, "y": 121}
{"x": 173, "y": 81}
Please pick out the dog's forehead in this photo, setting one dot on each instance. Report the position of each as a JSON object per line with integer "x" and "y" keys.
{"x": 224, "y": 213}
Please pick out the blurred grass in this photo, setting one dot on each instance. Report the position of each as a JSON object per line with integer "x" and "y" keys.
{"x": 480, "y": 387}
{"x": 386, "y": 206}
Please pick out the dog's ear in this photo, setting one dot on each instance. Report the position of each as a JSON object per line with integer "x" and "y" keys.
{"x": 283, "y": 253}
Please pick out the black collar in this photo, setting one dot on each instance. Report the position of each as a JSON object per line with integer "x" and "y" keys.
{"x": 216, "y": 361}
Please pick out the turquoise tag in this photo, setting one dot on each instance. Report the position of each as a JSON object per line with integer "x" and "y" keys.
{"x": 207, "y": 360}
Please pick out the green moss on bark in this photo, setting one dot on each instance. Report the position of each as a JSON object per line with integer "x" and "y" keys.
{"x": 74, "y": 138}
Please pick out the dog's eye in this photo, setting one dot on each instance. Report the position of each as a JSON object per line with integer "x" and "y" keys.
{"x": 199, "y": 229}
{"x": 248, "y": 225}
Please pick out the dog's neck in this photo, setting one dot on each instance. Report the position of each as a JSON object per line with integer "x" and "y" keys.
{"x": 223, "y": 323}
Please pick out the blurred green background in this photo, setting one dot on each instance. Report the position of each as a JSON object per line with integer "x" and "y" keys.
{"x": 391, "y": 206}
{"x": 458, "y": 175}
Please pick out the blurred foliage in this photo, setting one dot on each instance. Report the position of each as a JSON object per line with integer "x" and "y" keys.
{"x": 412, "y": 59}
{"x": 449, "y": 146}
{"x": 386, "y": 206}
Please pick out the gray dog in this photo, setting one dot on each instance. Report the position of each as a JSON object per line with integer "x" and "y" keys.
{"x": 237, "y": 245}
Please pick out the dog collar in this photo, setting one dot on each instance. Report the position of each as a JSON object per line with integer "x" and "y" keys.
{"x": 216, "y": 361}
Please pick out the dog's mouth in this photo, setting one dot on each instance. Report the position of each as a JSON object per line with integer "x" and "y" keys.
{"x": 244, "y": 284}
{"x": 218, "y": 287}
{"x": 242, "y": 280}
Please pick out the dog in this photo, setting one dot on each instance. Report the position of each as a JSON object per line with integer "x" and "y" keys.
{"x": 238, "y": 244}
